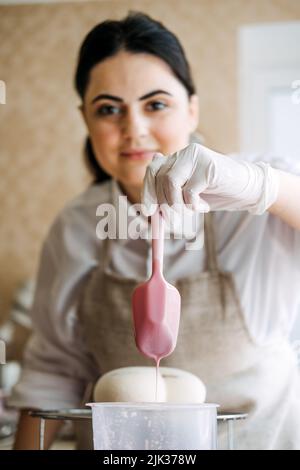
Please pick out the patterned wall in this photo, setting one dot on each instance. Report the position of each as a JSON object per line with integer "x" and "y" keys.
{"x": 41, "y": 132}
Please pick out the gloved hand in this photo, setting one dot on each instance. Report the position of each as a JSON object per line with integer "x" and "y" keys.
{"x": 206, "y": 180}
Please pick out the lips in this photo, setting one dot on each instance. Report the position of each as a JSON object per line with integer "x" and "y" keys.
{"x": 138, "y": 154}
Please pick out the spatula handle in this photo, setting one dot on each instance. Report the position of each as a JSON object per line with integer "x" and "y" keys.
{"x": 157, "y": 226}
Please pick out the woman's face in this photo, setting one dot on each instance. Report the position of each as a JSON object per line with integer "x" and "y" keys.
{"x": 135, "y": 106}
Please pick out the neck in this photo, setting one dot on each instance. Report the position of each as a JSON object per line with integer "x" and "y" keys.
{"x": 133, "y": 193}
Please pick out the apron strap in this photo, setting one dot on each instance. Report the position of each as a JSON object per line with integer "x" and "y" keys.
{"x": 106, "y": 254}
{"x": 211, "y": 256}
{"x": 210, "y": 244}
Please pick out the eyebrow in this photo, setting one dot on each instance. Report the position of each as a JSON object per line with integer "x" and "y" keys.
{"x": 120, "y": 100}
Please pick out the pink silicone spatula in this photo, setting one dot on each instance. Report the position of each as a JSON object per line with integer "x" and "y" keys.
{"x": 156, "y": 304}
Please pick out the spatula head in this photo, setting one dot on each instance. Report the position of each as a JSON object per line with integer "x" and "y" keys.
{"x": 156, "y": 316}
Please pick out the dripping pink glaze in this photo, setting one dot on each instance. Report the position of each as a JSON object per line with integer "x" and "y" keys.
{"x": 156, "y": 380}
{"x": 156, "y": 304}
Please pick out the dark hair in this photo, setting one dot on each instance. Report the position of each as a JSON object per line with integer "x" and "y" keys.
{"x": 136, "y": 33}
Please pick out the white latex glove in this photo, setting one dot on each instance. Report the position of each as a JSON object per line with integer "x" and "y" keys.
{"x": 206, "y": 180}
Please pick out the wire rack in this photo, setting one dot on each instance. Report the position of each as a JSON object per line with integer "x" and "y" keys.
{"x": 83, "y": 413}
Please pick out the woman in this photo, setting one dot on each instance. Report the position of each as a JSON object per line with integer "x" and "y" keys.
{"x": 239, "y": 294}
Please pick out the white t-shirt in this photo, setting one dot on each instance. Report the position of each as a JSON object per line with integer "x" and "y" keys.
{"x": 262, "y": 253}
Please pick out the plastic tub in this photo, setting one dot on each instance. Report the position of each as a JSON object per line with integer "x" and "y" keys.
{"x": 153, "y": 426}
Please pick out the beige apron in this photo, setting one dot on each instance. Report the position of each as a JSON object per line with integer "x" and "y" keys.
{"x": 213, "y": 343}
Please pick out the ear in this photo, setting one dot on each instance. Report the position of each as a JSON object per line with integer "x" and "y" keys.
{"x": 82, "y": 112}
{"x": 193, "y": 112}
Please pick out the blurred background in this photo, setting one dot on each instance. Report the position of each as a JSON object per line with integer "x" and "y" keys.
{"x": 245, "y": 57}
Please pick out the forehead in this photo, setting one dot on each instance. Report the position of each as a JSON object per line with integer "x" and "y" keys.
{"x": 130, "y": 76}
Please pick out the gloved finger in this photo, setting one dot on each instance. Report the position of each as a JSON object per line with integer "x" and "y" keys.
{"x": 153, "y": 190}
{"x": 161, "y": 196}
{"x": 192, "y": 191}
{"x": 149, "y": 197}
{"x": 161, "y": 179}
{"x": 173, "y": 192}
{"x": 195, "y": 202}
{"x": 184, "y": 165}
{"x": 175, "y": 213}
{"x": 157, "y": 161}
{"x": 179, "y": 175}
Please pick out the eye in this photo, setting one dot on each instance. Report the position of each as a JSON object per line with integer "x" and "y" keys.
{"x": 107, "y": 110}
{"x": 156, "y": 105}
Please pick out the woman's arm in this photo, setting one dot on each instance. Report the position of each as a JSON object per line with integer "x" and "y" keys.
{"x": 56, "y": 365}
{"x": 204, "y": 180}
{"x": 28, "y": 431}
{"x": 287, "y": 205}
{"x": 207, "y": 180}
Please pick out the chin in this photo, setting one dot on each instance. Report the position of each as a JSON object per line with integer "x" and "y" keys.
{"x": 133, "y": 179}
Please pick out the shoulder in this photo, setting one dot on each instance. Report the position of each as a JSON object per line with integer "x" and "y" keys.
{"x": 74, "y": 226}
{"x": 88, "y": 200}
{"x": 82, "y": 208}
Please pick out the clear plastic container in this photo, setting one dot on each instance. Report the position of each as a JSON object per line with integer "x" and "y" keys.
{"x": 154, "y": 426}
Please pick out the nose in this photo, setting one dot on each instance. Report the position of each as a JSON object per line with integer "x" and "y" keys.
{"x": 134, "y": 125}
